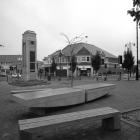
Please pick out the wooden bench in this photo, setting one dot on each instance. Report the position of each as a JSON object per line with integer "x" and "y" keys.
{"x": 110, "y": 120}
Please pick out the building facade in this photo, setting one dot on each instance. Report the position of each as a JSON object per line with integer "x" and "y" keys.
{"x": 83, "y": 53}
{"x": 10, "y": 62}
{"x": 13, "y": 64}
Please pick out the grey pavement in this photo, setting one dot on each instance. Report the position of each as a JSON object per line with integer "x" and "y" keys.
{"x": 125, "y": 96}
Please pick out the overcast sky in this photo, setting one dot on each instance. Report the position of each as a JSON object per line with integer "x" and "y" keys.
{"x": 105, "y": 22}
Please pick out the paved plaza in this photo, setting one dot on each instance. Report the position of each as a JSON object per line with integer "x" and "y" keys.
{"x": 125, "y": 96}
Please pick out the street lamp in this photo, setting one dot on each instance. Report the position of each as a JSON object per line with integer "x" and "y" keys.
{"x": 137, "y": 68}
{"x": 135, "y": 13}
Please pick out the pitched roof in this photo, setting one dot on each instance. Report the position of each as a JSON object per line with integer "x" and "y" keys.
{"x": 55, "y": 53}
{"x": 91, "y": 48}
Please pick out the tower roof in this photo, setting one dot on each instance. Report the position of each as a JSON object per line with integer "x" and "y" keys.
{"x": 29, "y": 32}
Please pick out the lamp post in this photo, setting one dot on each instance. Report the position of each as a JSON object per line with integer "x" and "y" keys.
{"x": 137, "y": 67}
{"x": 135, "y": 13}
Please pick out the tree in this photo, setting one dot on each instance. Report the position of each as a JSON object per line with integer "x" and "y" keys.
{"x": 53, "y": 65}
{"x": 96, "y": 61}
{"x": 135, "y": 13}
{"x": 128, "y": 61}
{"x": 70, "y": 42}
{"x": 73, "y": 64}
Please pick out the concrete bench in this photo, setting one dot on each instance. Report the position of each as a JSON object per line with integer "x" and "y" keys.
{"x": 96, "y": 90}
{"x": 39, "y": 99}
{"x": 110, "y": 120}
{"x": 50, "y": 98}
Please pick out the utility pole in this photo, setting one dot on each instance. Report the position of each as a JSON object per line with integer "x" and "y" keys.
{"x": 135, "y": 13}
{"x": 137, "y": 67}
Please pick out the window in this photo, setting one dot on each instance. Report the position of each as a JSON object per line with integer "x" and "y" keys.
{"x": 63, "y": 60}
{"x": 102, "y": 61}
{"x": 32, "y": 67}
{"x": 78, "y": 59}
{"x": 88, "y": 58}
{"x": 68, "y": 59}
{"x": 32, "y": 61}
{"x": 32, "y": 42}
{"x": 49, "y": 61}
{"x": 56, "y": 60}
{"x": 83, "y": 58}
{"x": 32, "y": 56}
{"x": 19, "y": 59}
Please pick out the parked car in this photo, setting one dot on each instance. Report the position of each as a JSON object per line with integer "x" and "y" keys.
{"x": 3, "y": 72}
{"x": 16, "y": 75}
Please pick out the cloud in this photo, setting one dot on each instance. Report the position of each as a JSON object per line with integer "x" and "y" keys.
{"x": 106, "y": 23}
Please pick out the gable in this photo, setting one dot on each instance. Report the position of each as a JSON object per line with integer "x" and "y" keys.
{"x": 83, "y": 51}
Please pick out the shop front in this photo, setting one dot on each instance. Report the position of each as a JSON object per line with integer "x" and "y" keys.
{"x": 84, "y": 70}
